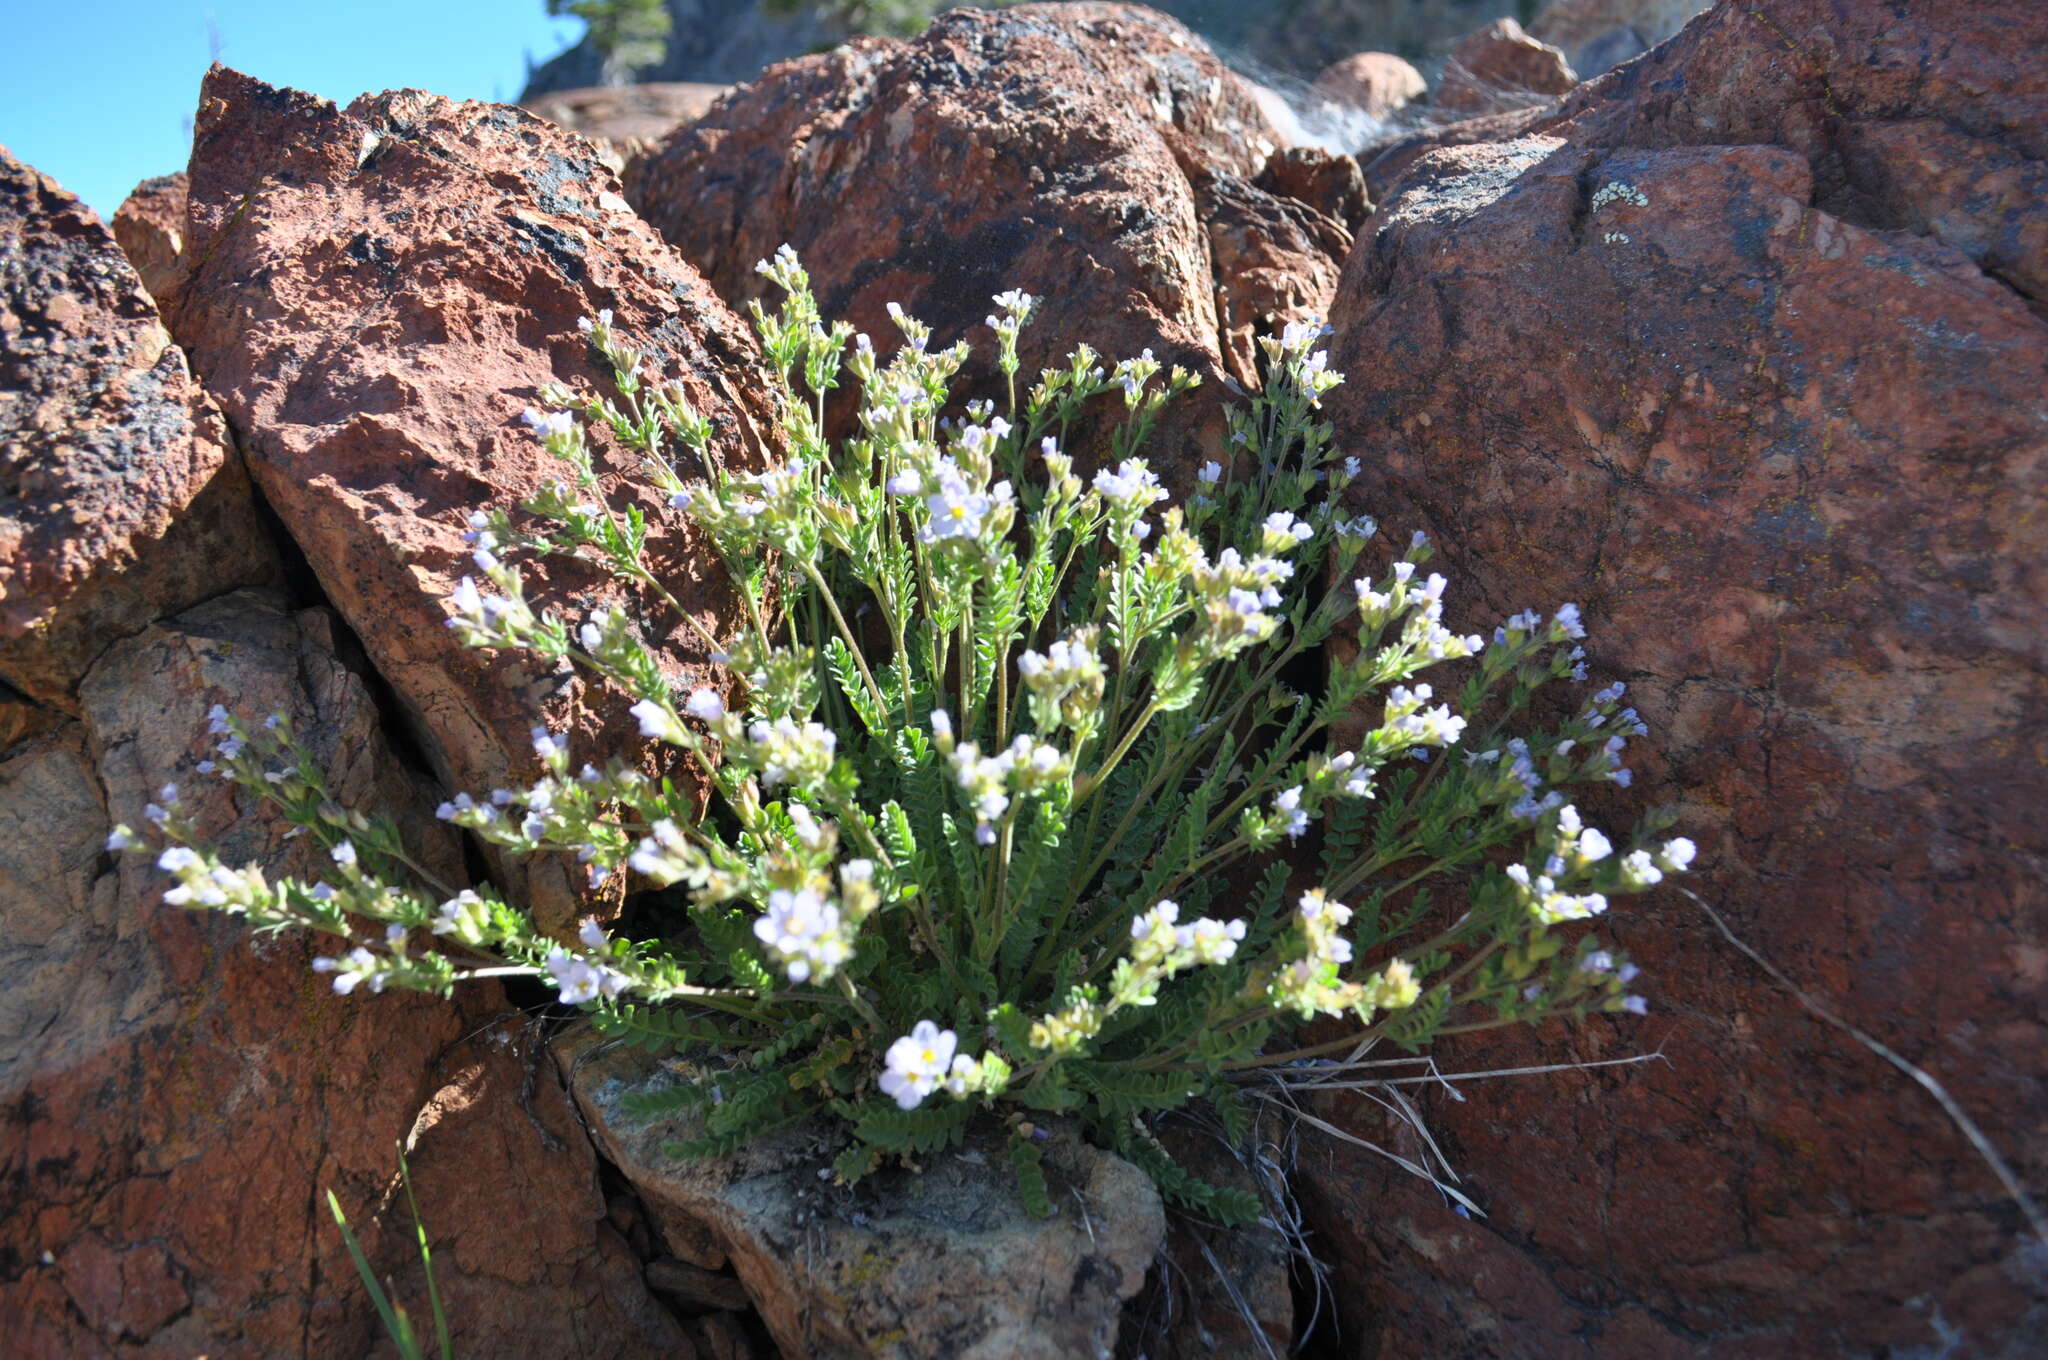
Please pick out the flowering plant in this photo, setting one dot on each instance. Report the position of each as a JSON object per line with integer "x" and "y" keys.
{"x": 1028, "y": 796}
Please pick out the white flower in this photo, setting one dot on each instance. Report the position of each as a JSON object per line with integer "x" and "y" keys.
{"x": 802, "y": 931}
{"x": 917, "y": 1063}
{"x": 956, "y": 508}
{"x": 966, "y": 1072}
{"x": 1282, "y": 531}
{"x": 805, "y": 825}
{"x": 352, "y": 969}
{"x": 547, "y": 746}
{"x": 121, "y": 838}
{"x": 1594, "y": 845}
{"x": 344, "y": 854}
{"x": 1315, "y": 903}
{"x": 1676, "y": 855}
{"x": 1288, "y": 802}
{"x": 592, "y": 934}
{"x": 1154, "y": 933}
{"x": 176, "y": 858}
{"x": 1210, "y": 940}
{"x": 705, "y": 704}
{"x": 1640, "y": 870}
{"x": 577, "y": 980}
{"x": 793, "y": 754}
{"x": 1132, "y": 485}
{"x": 548, "y": 426}
{"x": 1211, "y": 473}
{"x": 657, "y": 722}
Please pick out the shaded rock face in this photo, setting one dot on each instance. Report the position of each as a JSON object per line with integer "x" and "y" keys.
{"x": 174, "y": 1094}
{"x": 1707, "y": 358}
{"x": 627, "y": 121}
{"x": 1598, "y": 35}
{"x": 150, "y": 226}
{"x": 944, "y": 1263}
{"x": 1500, "y": 68}
{"x": 1062, "y": 149}
{"x": 1276, "y": 260}
{"x": 375, "y": 294}
{"x": 1214, "y": 1291}
{"x": 121, "y": 498}
{"x": 1331, "y": 183}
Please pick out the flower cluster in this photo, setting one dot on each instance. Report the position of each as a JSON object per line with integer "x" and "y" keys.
{"x": 1025, "y": 766}
{"x": 975, "y": 814}
{"x": 1158, "y": 940}
{"x": 804, "y": 933}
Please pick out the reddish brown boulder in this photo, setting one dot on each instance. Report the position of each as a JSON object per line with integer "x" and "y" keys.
{"x": 1500, "y": 68}
{"x": 120, "y": 498}
{"x": 627, "y": 121}
{"x": 1052, "y": 148}
{"x": 1598, "y": 35}
{"x": 1214, "y": 118}
{"x": 1776, "y": 416}
{"x": 377, "y": 294}
{"x": 619, "y": 113}
{"x": 1377, "y": 84}
{"x": 176, "y": 1094}
{"x": 150, "y": 225}
{"x": 1920, "y": 117}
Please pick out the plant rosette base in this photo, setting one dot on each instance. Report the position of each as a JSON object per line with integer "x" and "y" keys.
{"x": 946, "y": 1260}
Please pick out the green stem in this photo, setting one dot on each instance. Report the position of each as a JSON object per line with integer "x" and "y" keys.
{"x": 846, "y": 635}
{"x": 1093, "y": 782}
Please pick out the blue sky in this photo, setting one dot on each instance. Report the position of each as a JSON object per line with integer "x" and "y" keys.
{"x": 98, "y": 93}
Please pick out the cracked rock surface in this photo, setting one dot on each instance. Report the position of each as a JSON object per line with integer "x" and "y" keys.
{"x": 175, "y": 1095}
{"x": 121, "y": 498}
{"x": 1745, "y": 352}
{"x": 374, "y": 295}
{"x": 945, "y": 1263}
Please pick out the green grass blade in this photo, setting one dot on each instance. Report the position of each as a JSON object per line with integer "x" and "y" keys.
{"x": 395, "y": 1320}
{"x": 441, "y": 1341}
